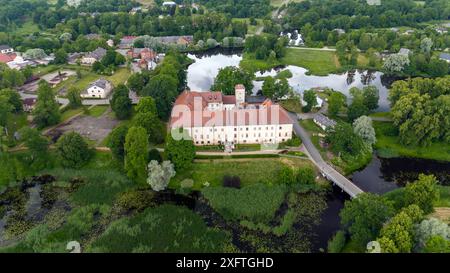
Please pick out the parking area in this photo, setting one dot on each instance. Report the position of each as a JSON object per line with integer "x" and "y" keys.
{"x": 93, "y": 128}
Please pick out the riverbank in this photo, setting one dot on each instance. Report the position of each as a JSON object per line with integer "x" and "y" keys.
{"x": 318, "y": 62}
{"x": 388, "y": 145}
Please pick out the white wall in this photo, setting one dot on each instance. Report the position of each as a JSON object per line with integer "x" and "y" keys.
{"x": 241, "y": 134}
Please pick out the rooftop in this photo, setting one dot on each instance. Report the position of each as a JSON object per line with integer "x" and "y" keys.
{"x": 444, "y": 56}
{"x": 325, "y": 121}
{"x": 97, "y": 54}
{"x": 102, "y": 83}
{"x": 3, "y": 47}
{"x": 265, "y": 113}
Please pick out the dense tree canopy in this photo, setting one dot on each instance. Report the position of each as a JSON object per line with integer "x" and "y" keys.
{"x": 229, "y": 77}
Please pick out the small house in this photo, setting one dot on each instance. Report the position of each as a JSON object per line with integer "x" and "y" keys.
{"x": 445, "y": 57}
{"x": 404, "y": 51}
{"x": 29, "y": 104}
{"x": 5, "y": 49}
{"x": 94, "y": 56}
{"x": 100, "y": 89}
{"x": 324, "y": 122}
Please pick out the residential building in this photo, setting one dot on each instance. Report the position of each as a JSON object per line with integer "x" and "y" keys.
{"x": 29, "y": 104}
{"x": 94, "y": 56}
{"x": 100, "y": 89}
{"x": 212, "y": 118}
{"x": 404, "y": 51}
{"x": 445, "y": 57}
{"x": 127, "y": 42}
{"x": 6, "y": 58}
{"x": 324, "y": 122}
{"x": 179, "y": 40}
{"x": 5, "y": 49}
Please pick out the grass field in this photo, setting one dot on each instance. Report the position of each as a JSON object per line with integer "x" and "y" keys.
{"x": 250, "y": 63}
{"x": 97, "y": 110}
{"x": 318, "y": 62}
{"x": 250, "y": 171}
{"x": 310, "y": 126}
{"x": 292, "y": 105}
{"x": 67, "y": 114}
{"x": 388, "y": 145}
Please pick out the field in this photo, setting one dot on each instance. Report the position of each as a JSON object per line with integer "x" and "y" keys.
{"x": 119, "y": 77}
{"x": 388, "y": 145}
{"x": 318, "y": 62}
{"x": 292, "y": 105}
{"x": 250, "y": 171}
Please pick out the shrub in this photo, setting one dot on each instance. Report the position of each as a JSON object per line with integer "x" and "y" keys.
{"x": 73, "y": 150}
{"x": 337, "y": 243}
{"x": 256, "y": 203}
{"x": 166, "y": 228}
{"x": 136, "y": 200}
{"x": 187, "y": 183}
{"x": 305, "y": 176}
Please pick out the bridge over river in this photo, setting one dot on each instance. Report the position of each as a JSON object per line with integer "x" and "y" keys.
{"x": 329, "y": 172}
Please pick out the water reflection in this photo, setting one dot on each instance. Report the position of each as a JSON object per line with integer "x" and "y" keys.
{"x": 385, "y": 174}
{"x": 201, "y": 74}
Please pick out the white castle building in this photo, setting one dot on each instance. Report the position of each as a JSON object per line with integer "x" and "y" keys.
{"x": 211, "y": 118}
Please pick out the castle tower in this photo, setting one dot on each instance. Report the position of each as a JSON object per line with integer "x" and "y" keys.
{"x": 239, "y": 92}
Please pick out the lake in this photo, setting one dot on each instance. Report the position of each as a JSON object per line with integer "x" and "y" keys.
{"x": 201, "y": 74}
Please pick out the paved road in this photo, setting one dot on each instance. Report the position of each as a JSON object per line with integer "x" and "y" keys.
{"x": 340, "y": 180}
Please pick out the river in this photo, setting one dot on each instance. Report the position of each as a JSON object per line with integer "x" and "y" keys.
{"x": 380, "y": 176}
{"x": 201, "y": 74}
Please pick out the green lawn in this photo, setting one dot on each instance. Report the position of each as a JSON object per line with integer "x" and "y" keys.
{"x": 292, "y": 105}
{"x": 88, "y": 77}
{"x": 250, "y": 63}
{"x": 97, "y": 110}
{"x": 316, "y": 61}
{"x": 67, "y": 114}
{"x": 250, "y": 171}
{"x": 120, "y": 76}
{"x": 388, "y": 145}
{"x": 381, "y": 115}
{"x": 310, "y": 126}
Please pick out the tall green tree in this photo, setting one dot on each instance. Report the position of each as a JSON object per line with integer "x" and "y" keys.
{"x": 116, "y": 141}
{"x": 364, "y": 217}
{"x": 136, "y": 154}
{"x": 46, "y": 112}
{"x": 423, "y": 192}
{"x": 335, "y": 103}
{"x": 269, "y": 87}
{"x": 180, "y": 152}
{"x": 73, "y": 150}
{"x": 229, "y": 77}
{"x": 13, "y": 98}
{"x": 120, "y": 102}
{"x": 74, "y": 97}
{"x": 163, "y": 88}
{"x": 309, "y": 96}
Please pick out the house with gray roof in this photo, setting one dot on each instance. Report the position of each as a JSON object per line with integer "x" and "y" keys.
{"x": 404, "y": 51}
{"x": 94, "y": 56}
{"x": 445, "y": 57}
{"x": 5, "y": 49}
{"x": 99, "y": 89}
{"x": 324, "y": 122}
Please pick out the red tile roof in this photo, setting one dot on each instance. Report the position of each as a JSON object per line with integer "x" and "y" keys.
{"x": 6, "y": 58}
{"x": 190, "y": 110}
